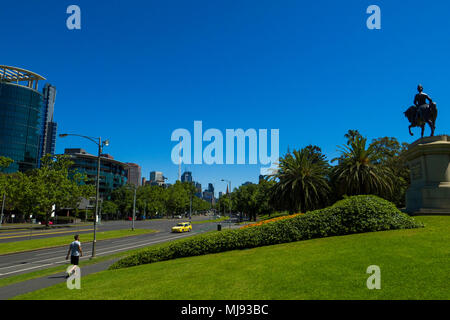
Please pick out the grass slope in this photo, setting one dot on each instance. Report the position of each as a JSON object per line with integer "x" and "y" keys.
{"x": 27, "y": 245}
{"x": 414, "y": 265}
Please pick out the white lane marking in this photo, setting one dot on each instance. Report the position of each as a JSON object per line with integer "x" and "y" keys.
{"x": 100, "y": 253}
{"x": 127, "y": 245}
{"x": 4, "y": 274}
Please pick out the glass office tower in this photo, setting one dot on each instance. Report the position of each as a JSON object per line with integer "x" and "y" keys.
{"x": 20, "y": 117}
{"x": 48, "y": 133}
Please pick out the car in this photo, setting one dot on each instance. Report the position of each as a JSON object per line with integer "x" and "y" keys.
{"x": 182, "y": 227}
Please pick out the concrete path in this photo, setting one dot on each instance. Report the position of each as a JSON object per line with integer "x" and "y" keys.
{"x": 16, "y": 289}
{"x": 35, "y": 260}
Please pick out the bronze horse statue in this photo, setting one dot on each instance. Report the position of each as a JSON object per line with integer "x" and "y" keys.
{"x": 419, "y": 118}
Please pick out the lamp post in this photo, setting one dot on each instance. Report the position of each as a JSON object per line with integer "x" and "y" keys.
{"x": 134, "y": 209}
{"x": 98, "y": 141}
{"x": 3, "y": 207}
{"x": 228, "y": 181}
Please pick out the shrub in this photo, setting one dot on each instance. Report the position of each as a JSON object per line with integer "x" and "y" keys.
{"x": 352, "y": 215}
{"x": 260, "y": 223}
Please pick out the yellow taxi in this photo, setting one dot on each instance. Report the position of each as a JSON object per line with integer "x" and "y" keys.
{"x": 182, "y": 227}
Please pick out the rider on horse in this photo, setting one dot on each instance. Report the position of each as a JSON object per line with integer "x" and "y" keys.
{"x": 420, "y": 101}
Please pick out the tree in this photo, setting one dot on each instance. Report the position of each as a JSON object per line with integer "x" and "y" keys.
{"x": 352, "y": 135}
{"x": 151, "y": 200}
{"x": 224, "y": 204}
{"x": 50, "y": 186}
{"x": 390, "y": 153}
{"x": 302, "y": 182}
{"x": 4, "y": 183}
{"x": 264, "y": 194}
{"x": 5, "y": 162}
{"x": 109, "y": 207}
{"x": 246, "y": 198}
{"x": 177, "y": 199}
{"x": 360, "y": 170}
{"x": 123, "y": 198}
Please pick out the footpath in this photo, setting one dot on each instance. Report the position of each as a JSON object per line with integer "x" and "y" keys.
{"x": 23, "y": 287}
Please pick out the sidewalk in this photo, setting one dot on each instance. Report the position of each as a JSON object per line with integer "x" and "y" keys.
{"x": 19, "y": 288}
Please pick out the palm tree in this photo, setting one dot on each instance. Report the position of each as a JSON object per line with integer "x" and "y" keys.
{"x": 301, "y": 181}
{"x": 360, "y": 170}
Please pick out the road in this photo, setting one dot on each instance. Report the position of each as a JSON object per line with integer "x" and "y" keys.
{"x": 24, "y": 234}
{"x": 19, "y": 263}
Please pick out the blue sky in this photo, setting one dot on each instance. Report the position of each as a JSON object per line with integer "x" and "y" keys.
{"x": 138, "y": 70}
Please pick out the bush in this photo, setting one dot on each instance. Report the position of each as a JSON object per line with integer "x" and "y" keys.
{"x": 355, "y": 214}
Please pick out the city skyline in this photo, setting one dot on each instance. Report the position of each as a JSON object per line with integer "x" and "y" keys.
{"x": 263, "y": 66}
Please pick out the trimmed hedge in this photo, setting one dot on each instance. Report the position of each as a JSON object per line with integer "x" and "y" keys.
{"x": 355, "y": 214}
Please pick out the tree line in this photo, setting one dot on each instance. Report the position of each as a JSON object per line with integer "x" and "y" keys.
{"x": 305, "y": 180}
{"x": 155, "y": 201}
{"x": 40, "y": 193}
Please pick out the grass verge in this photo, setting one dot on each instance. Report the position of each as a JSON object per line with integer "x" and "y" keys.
{"x": 28, "y": 245}
{"x": 413, "y": 262}
{"x": 210, "y": 221}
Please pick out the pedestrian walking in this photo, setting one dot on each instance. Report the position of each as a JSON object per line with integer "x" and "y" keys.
{"x": 75, "y": 253}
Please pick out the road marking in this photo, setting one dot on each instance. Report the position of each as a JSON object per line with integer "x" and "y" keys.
{"x": 27, "y": 232}
{"x": 4, "y": 274}
{"x": 85, "y": 257}
{"x": 43, "y": 234}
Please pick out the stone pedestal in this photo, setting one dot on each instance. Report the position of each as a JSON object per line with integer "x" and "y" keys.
{"x": 429, "y": 161}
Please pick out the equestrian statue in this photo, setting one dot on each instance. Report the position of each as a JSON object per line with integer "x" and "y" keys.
{"x": 422, "y": 112}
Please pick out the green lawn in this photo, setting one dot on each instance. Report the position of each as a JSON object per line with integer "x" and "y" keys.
{"x": 27, "y": 245}
{"x": 210, "y": 220}
{"x": 414, "y": 265}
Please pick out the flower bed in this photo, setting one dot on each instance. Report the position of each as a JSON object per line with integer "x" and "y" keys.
{"x": 260, "y": 223}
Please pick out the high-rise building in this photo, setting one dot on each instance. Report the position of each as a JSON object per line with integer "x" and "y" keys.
{"x": 20, "y": 117}
{"x": 134, "y": 174}
{"x": 211, "y": 188}
{"x": 186, "y": 176}
{"x": 209, "y": 197}
{"x": 198, "y": 190}
{"x": 156, "y": 178}
{"x": 113, "y": 173}
{"x": 48, "y": 133}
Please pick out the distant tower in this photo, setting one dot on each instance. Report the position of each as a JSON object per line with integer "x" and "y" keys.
{"x": 134, "y": 174}
{"x": 179, "y": 163}
{"x": 186, "y": 176}
{"x": 48, "y": 132}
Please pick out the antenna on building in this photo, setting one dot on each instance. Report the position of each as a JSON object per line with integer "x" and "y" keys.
{"x": 179, "y": 163}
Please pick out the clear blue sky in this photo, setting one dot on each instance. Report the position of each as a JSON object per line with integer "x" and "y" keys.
{"x": 140, "y": 69}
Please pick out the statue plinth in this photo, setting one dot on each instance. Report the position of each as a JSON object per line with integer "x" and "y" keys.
{"x": 429, "y": 162}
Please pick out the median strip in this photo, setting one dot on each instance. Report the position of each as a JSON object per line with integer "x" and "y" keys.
{"x": 35, "y": 244}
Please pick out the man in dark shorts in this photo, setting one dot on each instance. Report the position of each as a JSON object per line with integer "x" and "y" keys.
{"x": 75, "y": 254}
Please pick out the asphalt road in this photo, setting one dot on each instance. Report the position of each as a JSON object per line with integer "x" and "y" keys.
{"x": 19, "y": 263}
{"x": 156, "y": 224}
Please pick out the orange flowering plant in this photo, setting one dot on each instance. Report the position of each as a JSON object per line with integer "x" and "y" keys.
{"x": 260, "y": 223}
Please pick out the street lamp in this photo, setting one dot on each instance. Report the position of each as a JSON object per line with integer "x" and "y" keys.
{"x": 98, "y": 141}
{"x": 134, "y": 208}
{"x": 228, "y": 181}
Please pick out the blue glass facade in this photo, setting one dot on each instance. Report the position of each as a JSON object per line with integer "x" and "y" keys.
{"x": 113, "y": 174}
{"x": 48, "y": 133}
{"x": 20, "y": 125}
